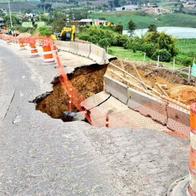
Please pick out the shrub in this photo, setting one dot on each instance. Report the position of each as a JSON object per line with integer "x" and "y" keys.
{"x": 45, "y": 31}
{"x": 104, "y": 43}
{"x": 84, "y": 36}
{"x": 163, "y": 54}
{"x": 184, "y": 60}
{"x": 148, "y": 48}
{"x": 121, "y": 40}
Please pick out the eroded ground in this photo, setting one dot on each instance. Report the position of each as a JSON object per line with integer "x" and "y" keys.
{"x": 172, "y": 84}
{"x": 87, "y": 80}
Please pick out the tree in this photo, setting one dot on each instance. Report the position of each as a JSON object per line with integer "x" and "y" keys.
{"x": 131, "y": 26}
{"x": 163, "y": 45}
{"x": 104, "y": 43}
{"x": 119, "y": 28}
{"x": 152, "y": 28}
{"x": 163, "y": 54}
{"x": 116, "y": 3}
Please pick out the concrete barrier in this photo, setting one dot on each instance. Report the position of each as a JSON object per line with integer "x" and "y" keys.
{"x": 178, "y": 118}
{"x": 148, "y": 105}
{"x": 88, "y": 50}
{"x": 98, "y": 54}
{"x": 74, "y": 48}
{"x": 116, "y": 89}
{"x": 65, "y": 46}
{"x": 84, "y": 49}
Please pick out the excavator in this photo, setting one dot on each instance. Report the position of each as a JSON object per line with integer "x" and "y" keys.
{"x": 68, "y": 33}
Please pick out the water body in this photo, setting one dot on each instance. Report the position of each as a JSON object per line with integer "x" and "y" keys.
{"x": 177, "y": 32}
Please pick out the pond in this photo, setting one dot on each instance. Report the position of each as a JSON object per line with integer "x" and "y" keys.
{"x": 177, "y": 32}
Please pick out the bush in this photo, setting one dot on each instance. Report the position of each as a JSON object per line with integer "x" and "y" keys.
{"x": 149, "y": 49}
{"x": 22, "y": 29}
{"x": 45, "y": 31}
{"x": 135, "y": 44}
{"x": 163, "y": 54}
{"x": 104, "y": 43}
{"x": 184, "y": 60}
{"x": 84, "y": 36}
{"x": 121, "y": 40}
{"x": 118, "y": 28}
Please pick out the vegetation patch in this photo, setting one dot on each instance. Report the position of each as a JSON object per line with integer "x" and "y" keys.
{"x": 144, "y": 20}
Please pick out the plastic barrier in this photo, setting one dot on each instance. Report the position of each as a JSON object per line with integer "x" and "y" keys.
{"x": 178, "y": 118}
{"x": 21, "y": 44}
{"x": 48, "y": 56}
{"x": 192, "y": 157}
{"x": 116, "y": 89}
{"x": 98, "y": 54}
{"x": 148, "y": 105}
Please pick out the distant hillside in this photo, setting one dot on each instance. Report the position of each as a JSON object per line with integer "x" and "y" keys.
{"x": 19, "y": 5}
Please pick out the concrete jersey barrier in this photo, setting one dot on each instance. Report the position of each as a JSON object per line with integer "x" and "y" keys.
{"x": 84, "y": 49}
{"x": 148, "y": 105}
{"x": 98, "y": 54}
{"x": 88, "y": 50}
{"x": 116, "y": 89}
{"x": 173, "y": 116}
{"x": 178, "y": 118}
{"x": 65, "y": 46}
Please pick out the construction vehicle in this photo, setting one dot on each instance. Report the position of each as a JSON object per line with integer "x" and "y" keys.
{"x": 68, "y": 33}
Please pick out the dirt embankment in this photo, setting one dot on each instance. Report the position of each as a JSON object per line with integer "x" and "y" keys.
{"x": 87, "y": 80}
{"x": 173, "y": 84}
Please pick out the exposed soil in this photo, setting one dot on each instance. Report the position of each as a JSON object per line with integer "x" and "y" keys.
{"x": 87, "y": 80}
{"x": 173, "y": 84}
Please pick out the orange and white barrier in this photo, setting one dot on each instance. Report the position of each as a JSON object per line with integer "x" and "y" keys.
{"x": 48, "y": 56}
{"x": 192, "y": 158}
{"x": 21, "y": 43}
{"x": 34, "y": 51}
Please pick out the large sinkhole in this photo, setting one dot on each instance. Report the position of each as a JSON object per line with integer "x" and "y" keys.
{"x": 88, "y": 80}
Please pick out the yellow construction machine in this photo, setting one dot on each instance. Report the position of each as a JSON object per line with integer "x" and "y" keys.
{"x": 68, "y": 33}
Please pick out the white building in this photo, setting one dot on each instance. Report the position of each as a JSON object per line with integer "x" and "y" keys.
{"x": 127, "y": 8}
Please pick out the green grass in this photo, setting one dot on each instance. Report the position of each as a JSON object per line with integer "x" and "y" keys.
{"x": 187, "y": 47}
{"x": 127, "y": 54}
{"x": 143, "y": 21}
{"x": 29, "y": 24}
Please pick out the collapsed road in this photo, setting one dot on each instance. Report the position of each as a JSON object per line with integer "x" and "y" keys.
{"x": 44, "y": 156}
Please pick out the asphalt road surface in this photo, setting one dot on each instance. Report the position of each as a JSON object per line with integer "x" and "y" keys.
{"x": 44, "y": 156}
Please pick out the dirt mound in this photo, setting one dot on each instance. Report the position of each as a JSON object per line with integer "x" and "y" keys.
{"x": 87, "y": 80}
{"x": 185, "y": 94}
{"x": 172, "y": 84}
{"x": 22, "y": 35}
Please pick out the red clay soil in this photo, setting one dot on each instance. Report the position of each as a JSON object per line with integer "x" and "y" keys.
{"x": 176, "y": 86}
{"x": 87, "y": 80}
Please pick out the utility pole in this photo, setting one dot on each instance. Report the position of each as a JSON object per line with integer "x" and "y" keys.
{"x": 10, "y": 14}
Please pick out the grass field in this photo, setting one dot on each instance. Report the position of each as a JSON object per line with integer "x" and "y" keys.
{"x": 143, "y": 21}
{"x": 186, "y": 47}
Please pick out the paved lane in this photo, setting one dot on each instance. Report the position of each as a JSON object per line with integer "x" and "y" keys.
{"x": 41, "y": 156}
{"x": 44, "y": 156}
